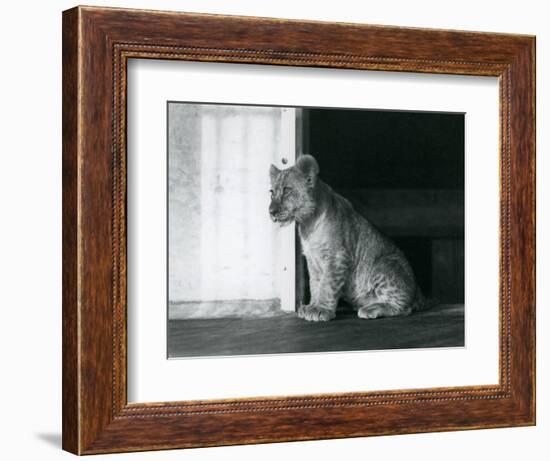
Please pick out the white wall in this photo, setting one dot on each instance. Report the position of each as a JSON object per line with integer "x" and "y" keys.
{"x": 220, "y": 156}
{"x": 30, "y": 247}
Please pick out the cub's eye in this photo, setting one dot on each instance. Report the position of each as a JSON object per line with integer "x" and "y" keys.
{"x": 271, "y": 192}
{"x": 287, "y": 190}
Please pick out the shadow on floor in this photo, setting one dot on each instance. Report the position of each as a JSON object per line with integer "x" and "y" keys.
{"x": 441, "y": 326}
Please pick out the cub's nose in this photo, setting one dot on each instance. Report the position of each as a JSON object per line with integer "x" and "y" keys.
{"x": 273, "y": 209}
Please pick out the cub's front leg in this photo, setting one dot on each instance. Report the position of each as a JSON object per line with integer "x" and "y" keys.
{"x": 327, "y": 278}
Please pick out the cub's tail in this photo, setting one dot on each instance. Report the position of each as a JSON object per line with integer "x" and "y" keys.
{"x": 421, "y": 303}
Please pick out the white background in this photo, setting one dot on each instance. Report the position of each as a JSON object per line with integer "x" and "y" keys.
{"x": 30, "y": 247}
{"x": 153, "y": 378}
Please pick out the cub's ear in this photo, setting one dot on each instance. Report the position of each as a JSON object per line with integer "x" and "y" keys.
{"x": 309, "y": 167}
{"x": 273, "y": 172}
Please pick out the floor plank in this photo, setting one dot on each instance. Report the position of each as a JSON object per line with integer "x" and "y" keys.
{"x": 441, "y": 326}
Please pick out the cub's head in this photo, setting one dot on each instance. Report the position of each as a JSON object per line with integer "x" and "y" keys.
{"x": 292, "y": 191}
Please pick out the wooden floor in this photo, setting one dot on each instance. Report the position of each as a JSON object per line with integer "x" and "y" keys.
{"x": 441, "y": 326}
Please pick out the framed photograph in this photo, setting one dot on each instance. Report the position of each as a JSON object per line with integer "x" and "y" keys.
{"x": 281, "y": 230}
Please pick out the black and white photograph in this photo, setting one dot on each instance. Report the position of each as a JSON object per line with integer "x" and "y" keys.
{"x": 312, "y": 230}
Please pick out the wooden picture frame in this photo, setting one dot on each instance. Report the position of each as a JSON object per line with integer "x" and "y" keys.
{"x": 97, "y": 43}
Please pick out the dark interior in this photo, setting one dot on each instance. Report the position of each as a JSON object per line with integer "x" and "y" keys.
{"x": 404, "y": 171}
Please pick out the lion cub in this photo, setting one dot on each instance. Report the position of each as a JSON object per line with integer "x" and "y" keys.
{"x": 347, "y": 257}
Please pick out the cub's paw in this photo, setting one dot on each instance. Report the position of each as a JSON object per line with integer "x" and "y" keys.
{"x": 315, "y": 314}
{"x": 371, "y": 312}
{"x": 376, "y": 311}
